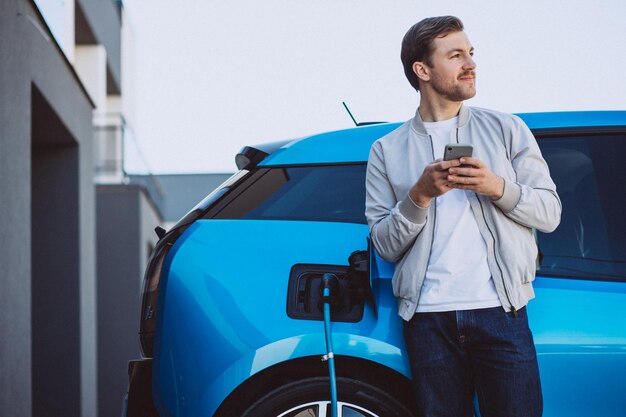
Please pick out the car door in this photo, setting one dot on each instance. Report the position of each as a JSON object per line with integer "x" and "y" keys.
{"x": 579, "y": 315}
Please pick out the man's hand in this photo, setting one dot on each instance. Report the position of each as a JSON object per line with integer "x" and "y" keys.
{"x": 433, "y": 182}
{"x": 475, "y": 176}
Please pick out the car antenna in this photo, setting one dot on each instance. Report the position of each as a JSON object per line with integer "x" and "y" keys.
{"x": 354, "y": 120}
{"x": 350, "y": 113}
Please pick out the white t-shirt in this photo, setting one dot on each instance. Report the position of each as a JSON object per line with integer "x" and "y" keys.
{"x": 457, "y": 277}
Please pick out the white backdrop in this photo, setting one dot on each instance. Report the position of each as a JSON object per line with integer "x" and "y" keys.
{"x": 212, "y": 76}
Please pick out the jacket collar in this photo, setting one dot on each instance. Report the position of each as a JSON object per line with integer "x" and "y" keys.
{"x": 418, "y": 124}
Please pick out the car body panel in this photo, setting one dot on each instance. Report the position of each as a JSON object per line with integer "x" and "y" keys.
{"x": 342, "y": 146}
{"x": 573, "y": 119}
{"x": 579, "y": 327}
{"x": 243, "y": 322}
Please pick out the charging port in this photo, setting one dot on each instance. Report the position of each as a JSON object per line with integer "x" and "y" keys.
{"x": 348, "y": 296}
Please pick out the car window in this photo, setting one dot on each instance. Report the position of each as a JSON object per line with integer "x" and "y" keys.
{"x": 590, "y": 175}
{"x": 316, "y": 193}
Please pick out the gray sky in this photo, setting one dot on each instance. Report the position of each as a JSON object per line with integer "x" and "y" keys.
{"x": 212, "y": 76}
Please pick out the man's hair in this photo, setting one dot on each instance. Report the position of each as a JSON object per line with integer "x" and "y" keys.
{"x": 417, "y": 44}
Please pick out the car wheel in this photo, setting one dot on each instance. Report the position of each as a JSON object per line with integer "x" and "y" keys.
{"x": 311, "y": 398}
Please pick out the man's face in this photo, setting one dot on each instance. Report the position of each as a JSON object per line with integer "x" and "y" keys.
{"x": 452, "y": 68}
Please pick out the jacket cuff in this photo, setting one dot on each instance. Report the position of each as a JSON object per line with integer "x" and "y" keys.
{"x": 412, "y": 211}
{"x": 510, "y": 197}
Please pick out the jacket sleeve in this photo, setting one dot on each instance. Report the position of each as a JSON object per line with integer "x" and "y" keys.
{"x": 394, "y": 224}
{"x": 530, "y": 200}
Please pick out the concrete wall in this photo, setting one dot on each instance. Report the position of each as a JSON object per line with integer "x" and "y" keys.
{"x": 47, "y": 229}
{"x": 126, "y": 222}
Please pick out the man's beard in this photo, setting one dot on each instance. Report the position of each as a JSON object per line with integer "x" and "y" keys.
{"x": 454, "y": 91}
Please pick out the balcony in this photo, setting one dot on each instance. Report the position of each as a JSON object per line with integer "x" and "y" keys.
{"x": 115, "y": 148}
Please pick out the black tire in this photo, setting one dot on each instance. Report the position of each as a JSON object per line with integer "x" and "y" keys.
{"x": 305, "y": 397}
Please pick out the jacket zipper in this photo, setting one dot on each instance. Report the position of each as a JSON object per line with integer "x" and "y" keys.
{"x": 495, "y": 254}
{"x": 432, "y": 234}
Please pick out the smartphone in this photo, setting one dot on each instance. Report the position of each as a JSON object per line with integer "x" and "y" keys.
{"x": 456, "y": 151}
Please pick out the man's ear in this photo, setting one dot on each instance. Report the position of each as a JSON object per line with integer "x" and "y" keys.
{"x": 421, "y": 70}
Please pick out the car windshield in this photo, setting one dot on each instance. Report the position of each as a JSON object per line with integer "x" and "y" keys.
{"x": 590, "y": 241}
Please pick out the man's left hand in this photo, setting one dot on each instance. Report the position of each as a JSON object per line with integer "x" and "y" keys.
{"x": 474, "y": 175}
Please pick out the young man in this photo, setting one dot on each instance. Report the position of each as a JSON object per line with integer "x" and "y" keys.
{"x": 460, "y": 232}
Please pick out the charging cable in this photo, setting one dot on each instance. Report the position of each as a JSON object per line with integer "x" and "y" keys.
{"x": 327, "y": 281}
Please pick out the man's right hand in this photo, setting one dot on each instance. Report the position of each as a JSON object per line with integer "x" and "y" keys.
{"x": 433, "y": 182}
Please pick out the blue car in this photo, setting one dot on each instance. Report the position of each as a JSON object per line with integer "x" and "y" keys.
{"x": 232, "y": 316}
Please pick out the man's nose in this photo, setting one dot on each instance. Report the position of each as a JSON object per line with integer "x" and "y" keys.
{"x": 469, "y": 64}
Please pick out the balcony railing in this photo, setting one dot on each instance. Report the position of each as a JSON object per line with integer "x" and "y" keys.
{"x": 117, "y": 155}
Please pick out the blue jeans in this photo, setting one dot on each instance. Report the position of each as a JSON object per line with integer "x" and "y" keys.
{"x": 457, "y": 354}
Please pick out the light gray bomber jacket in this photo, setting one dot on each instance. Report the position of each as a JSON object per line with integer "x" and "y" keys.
{"x": 402, "y": 232}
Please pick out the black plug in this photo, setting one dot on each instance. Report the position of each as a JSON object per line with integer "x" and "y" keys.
{"x": 358, "y": 277}
{"x": 333, "y": 298}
